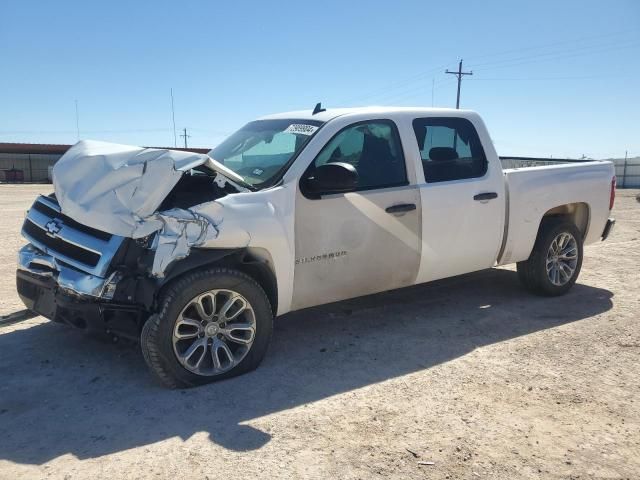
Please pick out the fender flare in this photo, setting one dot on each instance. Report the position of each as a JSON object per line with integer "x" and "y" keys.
{"x": 199, "y": 257}
{"x": 237, "y": 258}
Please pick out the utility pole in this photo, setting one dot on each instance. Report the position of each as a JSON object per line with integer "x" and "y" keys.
{"x": 624, "y": 170}
{"x": 185, "y": 136}
{"x": 459, "y": 74}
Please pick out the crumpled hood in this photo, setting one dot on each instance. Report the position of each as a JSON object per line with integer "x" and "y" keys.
{"x": 118, "y": 188}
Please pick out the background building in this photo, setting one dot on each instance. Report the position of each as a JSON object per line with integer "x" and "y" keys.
{"x": 30, "y": 162}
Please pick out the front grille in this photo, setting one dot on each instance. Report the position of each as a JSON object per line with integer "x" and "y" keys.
{"x": 47, "y": 210}
{"x": 71, "y": 242}
{"x": 61, "y": 246}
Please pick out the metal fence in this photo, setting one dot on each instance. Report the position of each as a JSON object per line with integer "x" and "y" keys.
{"x": 26, "y": 167}
{"x": 627, "y": 172}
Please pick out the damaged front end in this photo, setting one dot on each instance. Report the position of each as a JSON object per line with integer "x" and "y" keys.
{"x": 120, "y": 219}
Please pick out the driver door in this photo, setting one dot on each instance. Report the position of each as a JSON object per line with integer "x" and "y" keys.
{"x": 364, "y": 241}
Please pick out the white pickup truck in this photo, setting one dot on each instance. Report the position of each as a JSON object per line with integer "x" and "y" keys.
{"x": 193, "y": 255}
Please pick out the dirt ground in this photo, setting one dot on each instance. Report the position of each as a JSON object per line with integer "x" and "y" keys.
{"x": 472, "y": 374}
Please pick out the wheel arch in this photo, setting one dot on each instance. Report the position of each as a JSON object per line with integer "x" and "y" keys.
{"x": 241, "y": 259}
{"x": 578, "y": 213}
{"x": 534, "y": 272}
{"x": 522, "y": 233}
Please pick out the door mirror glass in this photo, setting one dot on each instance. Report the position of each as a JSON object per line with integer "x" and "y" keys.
{"x": 336, "y": 177}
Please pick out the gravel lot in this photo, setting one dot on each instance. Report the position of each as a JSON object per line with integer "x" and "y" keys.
{"x": 471, "y": 373}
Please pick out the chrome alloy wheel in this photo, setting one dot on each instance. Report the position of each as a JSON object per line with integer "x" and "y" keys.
{"x": 562, "y": 258}
{"x": 214, "y": 332}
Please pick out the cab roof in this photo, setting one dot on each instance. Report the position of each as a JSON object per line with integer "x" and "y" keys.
{"x": 331, "y": 113}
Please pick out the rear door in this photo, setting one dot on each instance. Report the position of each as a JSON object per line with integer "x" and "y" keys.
{"x": 462, "y": 194}
{"x": 360, "y": 242}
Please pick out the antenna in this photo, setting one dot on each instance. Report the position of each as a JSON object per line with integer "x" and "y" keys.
{"x": 173, "y": 119}
{"x": 77, "y": 121}
{"x": 318, "y": 108}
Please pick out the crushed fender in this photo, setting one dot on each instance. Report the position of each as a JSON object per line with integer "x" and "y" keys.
{"x": 181, "y": 230}
{"x": 119, "y": 188}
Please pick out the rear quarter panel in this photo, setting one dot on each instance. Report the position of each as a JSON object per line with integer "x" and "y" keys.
{"x": 533, "y": 191}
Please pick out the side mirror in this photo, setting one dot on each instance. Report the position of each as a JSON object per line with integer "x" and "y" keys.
{"x": 337, "y": 177}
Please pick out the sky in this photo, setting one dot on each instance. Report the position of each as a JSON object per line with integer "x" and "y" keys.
{"x": 550, "y": 78}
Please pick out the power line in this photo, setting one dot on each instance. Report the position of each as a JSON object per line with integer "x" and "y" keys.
{"x": 375, "y": 93}
{"x": 571, "y": 51}
{"x": 411, "y": 92}
{"x": 459, "y": 74}
{"x": 581, "y": 77}
{"x": 542, "y": 57}
{"x": 581, "y": 41}
{"x": 417, "y": 91}
{"x": 505, "y": 63}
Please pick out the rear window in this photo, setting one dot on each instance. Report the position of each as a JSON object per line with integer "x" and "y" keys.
{"x": 450, "y": 149}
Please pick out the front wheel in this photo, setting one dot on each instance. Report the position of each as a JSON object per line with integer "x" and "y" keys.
{"x": 212, "y": 324}
{"x": 556, "y": 259}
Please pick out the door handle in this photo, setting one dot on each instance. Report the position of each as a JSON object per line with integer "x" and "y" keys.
{"x": 403, "y": 207}
{"x": 485, "y": 196}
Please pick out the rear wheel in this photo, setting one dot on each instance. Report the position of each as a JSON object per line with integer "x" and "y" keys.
{"x": 212, "y": 324}
{"x": 556, "y": 259}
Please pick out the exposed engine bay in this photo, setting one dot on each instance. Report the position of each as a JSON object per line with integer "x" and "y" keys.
{"x": 167, "y": 198}
{"x": 198, "y": 185}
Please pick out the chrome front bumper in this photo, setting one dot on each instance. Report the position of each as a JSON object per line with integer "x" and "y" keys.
{"x": 68, "y": 279}
{"x": 66, "y": 295}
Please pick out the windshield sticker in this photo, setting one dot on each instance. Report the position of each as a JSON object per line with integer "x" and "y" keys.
{"x": 258, "y": 171}
{"x": 301, "y": 129}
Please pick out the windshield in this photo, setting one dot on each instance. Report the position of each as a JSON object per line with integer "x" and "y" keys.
{"x": 260, "y": 151}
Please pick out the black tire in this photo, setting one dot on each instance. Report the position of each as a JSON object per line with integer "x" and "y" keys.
{"x": 156, "y": 337}
{"x": 533, "y": 272}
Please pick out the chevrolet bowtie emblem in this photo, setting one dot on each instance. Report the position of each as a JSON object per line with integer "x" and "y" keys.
{"x": 53, "y": 227}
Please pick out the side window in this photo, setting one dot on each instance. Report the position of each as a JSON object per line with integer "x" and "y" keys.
{"x": 373, "y": 148}
{"x": 450, "y": 149}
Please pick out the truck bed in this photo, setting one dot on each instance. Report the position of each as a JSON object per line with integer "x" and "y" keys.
{"x": 538, "y": 186}
{"x": 523, "y": 162}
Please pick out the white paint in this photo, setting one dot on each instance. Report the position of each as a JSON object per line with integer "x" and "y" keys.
{"x": 378, "y": 251}
{"x": 533, "y": 191}
{"x": 460, "y": 234}
{"x": 448, "y": 234}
